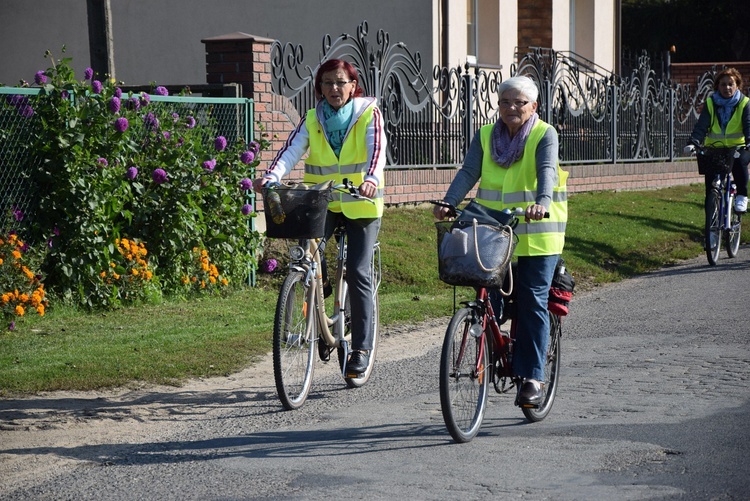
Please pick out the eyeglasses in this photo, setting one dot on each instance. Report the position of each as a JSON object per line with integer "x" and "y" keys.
{"x": 337, "y": 83}
{"x": 515, "y": 104}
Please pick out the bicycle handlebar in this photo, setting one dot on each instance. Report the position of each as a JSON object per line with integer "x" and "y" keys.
{"x": 455, "y": 212}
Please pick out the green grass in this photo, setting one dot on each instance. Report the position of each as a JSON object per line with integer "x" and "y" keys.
{"x": 610, "y": 236}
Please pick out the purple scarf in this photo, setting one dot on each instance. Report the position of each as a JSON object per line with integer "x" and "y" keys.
{"x": 504, "y": 150}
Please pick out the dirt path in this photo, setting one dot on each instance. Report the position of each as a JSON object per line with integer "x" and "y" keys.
{"x": 36, "y": 431}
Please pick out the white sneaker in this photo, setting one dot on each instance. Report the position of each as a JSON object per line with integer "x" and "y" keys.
{"x": 740, "y": 203}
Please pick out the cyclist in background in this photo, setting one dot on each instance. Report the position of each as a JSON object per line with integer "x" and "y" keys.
{"x": 344, "y": 138}
{"x": 725, "y": 122}
{"x": 515, "y": 161}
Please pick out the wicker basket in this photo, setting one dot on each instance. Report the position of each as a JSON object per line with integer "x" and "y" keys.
{"x": 715, "y": 160}
{"x": 304, "y": 212}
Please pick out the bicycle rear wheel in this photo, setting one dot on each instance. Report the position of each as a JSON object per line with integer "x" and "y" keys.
{"x": 551, "y": 372}
{"x": 713, "y": 227}
{"x": 464, "y": 377}
{"x": 362, "y": 379}
{"x": 732, "y": 235}
{"x": 293, "y": 350}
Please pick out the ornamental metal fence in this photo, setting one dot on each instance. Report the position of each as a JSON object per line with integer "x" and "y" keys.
{"x": 431, "y": 116}
{"x": 228, "y": 117}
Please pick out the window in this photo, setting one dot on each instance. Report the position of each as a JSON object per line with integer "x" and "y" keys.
{"x": 472, "y": 33}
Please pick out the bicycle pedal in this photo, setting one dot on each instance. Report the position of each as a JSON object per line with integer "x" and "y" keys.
{"x": 324, "y": 351}
{"x": 354, "y": 375}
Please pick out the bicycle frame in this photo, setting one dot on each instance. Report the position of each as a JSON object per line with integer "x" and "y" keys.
{"x": 331, "y": 328}
{"x": 723, "y": 183}
{"x": 501, "y": 341}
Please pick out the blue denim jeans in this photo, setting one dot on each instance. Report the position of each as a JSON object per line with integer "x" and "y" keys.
{"x": 532, "y": 283}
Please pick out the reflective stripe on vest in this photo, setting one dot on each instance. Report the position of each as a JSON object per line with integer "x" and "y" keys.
{"x": 323, "y": 165}
{"x": 501, "y": 188}
{"x": 732, "y": 135}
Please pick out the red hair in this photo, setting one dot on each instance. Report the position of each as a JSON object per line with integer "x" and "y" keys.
{"x": 335, "y": 65}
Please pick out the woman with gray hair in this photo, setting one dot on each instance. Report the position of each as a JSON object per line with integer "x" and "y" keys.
{"x": 515, "y": 161}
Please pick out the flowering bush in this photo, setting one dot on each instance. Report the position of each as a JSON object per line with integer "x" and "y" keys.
{"x": 21, "y": 288}
{"x": 115, "y": 166}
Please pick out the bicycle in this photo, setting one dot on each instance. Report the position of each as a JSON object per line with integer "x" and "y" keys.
{"x": 476, "y": 350}
{"x": 302, "y": 323}
{"x": 721, "y": 219}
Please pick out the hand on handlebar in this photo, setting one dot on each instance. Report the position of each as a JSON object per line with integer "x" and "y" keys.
{"x": 535, "y": 212}
{"x": 260, "y": 182}
{"x": 689, "y": 149}
{"x": 442, "y": 210}
{"x": 367, "y": 189}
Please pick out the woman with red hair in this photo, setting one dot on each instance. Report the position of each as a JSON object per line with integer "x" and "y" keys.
{"x": 343, "y": 137}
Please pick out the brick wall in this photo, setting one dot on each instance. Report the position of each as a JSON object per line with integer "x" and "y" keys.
{"x": 689, "y": 73}
{"x": 535, "y": 23}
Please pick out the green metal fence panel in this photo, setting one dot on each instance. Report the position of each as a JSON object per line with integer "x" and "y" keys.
{"x": 228, "y": 117}
{"x": 17, "y": 124}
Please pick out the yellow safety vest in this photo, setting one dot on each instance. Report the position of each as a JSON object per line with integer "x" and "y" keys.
{"x": 733, "y": 135}
{"x": 501, "y": 188}
{"x": 323, "y": 165}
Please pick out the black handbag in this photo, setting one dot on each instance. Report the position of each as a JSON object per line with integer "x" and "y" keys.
{"x": 483, "y": 215}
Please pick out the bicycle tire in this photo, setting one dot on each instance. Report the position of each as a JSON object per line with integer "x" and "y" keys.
{"x": 713, "y": 227}
{"x": 463, "y": 388}
{"x": 551, "y": 372}
{"x": 732, "y": 235}
{"x": 293, "y": 352}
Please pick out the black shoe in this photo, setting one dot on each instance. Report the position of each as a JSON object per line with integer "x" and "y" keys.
{"x": 530, "y": 395}
{"x": 357, "y": 363}
{"x": 324, "y": 351}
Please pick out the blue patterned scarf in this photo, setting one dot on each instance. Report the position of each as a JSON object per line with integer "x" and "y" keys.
{"x": 337, "y": 123}
{"x": 725, "y": 107}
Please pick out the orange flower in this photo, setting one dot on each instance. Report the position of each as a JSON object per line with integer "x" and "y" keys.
{"x": 20, "y": 311}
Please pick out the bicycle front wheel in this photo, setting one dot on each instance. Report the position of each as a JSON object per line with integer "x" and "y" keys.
{"x": 551, "y": 372}
{"x": 464, "y": 377}
{"x": 293, "y": 349}
{"x": 713, "y": 227}
{"x": 732, "y": 235}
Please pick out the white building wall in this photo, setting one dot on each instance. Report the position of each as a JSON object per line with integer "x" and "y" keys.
{"x": 508, "y": 27}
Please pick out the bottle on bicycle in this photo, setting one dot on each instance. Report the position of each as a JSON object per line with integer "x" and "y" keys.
{"x": 515, "y": 161}
{"x": 343, "y": 137}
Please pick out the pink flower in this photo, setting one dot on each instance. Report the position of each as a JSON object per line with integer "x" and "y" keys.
{"x": 247, "y": 157}
{"x": 269, "y": 265}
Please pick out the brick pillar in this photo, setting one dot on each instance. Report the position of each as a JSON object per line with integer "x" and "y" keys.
{"x": 243, "y": 59}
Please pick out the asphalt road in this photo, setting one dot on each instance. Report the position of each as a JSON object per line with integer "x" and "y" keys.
{"x": 653, "y": 403}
